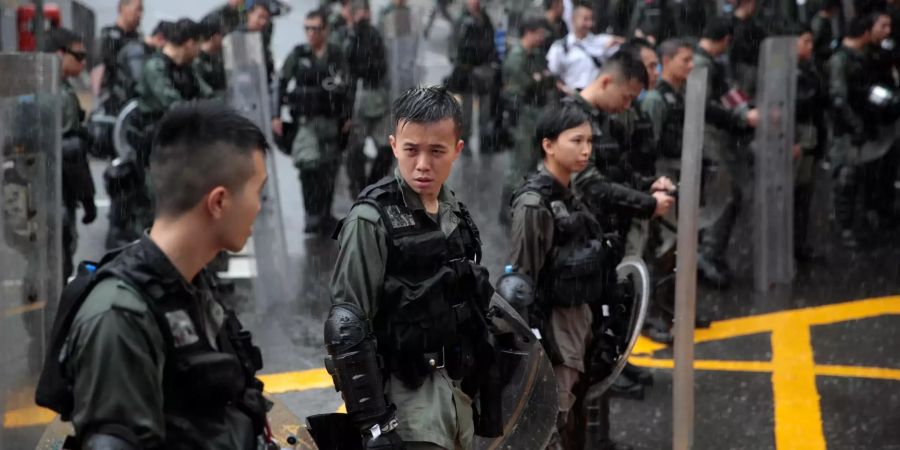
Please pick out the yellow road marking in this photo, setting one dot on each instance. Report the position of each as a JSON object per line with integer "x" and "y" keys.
{"x": 25, "y": 308}
{"x": 28, "y": 417}
{"x": 798, "y": 417}
{"x": 278, "y": 383}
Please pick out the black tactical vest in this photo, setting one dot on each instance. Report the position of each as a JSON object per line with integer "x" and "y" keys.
{"x": 435, "y": 293}
{"x": 198, "y": 379}
{"x": 574, "y": 271}
{"x": 319, "y": 90}
{"x": 672, "y": 132}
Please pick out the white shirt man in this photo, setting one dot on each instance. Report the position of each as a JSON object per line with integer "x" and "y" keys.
{"x": 576, "y": 59}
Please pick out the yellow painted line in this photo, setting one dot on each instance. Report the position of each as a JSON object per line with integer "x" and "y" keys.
{"x": 877, "y": 373}
{"x": 278, "y": 383}
{"x": 25, "y": 308}
{"x": 798, "y": 417}
{"x": 705, "y": 364}
{"x": 816, "y": 315}
{"x": 28, "y": 417}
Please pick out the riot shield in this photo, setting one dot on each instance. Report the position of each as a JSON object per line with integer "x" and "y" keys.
{"x": 529, "y": 398}
{"x": 633, "y": 272}
{"x": 248, "y": 92}
{"x": 773, "y": 180}
{"x": 30, "y": 230}
{"x": 401, "y": 29}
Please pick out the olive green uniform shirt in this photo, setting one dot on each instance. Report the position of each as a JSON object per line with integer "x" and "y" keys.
{"x": 115, "y": 355}
{"x": 437, "y": 412}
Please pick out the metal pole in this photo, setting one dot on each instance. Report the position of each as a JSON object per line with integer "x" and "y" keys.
{"x": 686, "y": 275}
{"x": 39, "y": 25}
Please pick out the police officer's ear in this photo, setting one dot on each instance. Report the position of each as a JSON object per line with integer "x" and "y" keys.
{"x": 459, "y": 147}
{"x": 393, "y": 141}
{"x": 216, "y": 201}
{"x": 546, "y": 147}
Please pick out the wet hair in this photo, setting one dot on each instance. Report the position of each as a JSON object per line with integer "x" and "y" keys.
{"x": 557, "y": 118}
{"x": 423, "y": 105}
{"x": 860, "y": 25}
{"x": 626, "y": 66}
{"x": 197, "y": 147}
{"x": 183, "y": 31}
{"x": 717, "y": 29}
{"x": 320, "y": 14}
{"x": 61, "y": 39}
{"x": 670, "y": 47}
{"x": 531, "y": 23}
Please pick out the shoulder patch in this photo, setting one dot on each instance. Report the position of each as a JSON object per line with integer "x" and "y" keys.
{"x": 530, "y": 199}
{"x": 400, "y": 218}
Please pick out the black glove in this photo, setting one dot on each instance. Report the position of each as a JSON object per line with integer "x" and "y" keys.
{"x": 90, "y": 212}
{"x": 385, "y": 441}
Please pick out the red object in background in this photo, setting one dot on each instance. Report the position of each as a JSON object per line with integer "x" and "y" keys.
{"x": 25, "y": 24}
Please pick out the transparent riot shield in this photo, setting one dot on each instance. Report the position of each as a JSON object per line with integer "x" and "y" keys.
{"x": 401, "y": 29}
{"x": 30, "y": 232}
{"x": 773, "y": 180}
{"x": 529, "y": 399}
{"x": 248, "y": 92}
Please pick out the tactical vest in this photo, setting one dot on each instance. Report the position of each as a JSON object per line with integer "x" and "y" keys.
{"x": 574, "y": 271}
{"x": 435, "y": 293}
{"x": 197, "y": 377}
{"x": 318, "y": 90}
{"x": 671, "y": 135}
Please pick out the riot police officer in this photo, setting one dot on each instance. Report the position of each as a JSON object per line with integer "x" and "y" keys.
{"x": 612, "y": 203}
{"x": 168, "y": 79}
{"x": 112, "y": 39}
{"x": 143, "y": 355}
{"x": 319, "y": 107}
{"x": 849, "y": 82}
{"x": 474, "y": 68}
{"x": 558, "y": 247}
{"x": 527, "y": 87}
{"x": 747, "y": 37}
{"x": 367, "y": 68}
{"x": 825, "y": 40}
{"x": 664, "y": 106}
{"x": 403, "y": 335}
{"x": 811, "y": 136}
{"x": 230, "y": 15}
{"x": 554, "y": 25}
{"x": 78, "y": 185}
{"x": 728, "y": 117}
{"x": 210, "y": 64}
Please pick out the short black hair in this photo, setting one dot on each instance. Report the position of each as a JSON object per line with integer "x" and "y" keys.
{"x": 267, "y": 4}
{"x": 627, "y": 66}
{"x": 184, "y": 30}
{"x": 320, "y": 14}
{"x": 797, "y": 29}
{"x": 634, "y": 47}
{"x": 549, "y": 4}
{"x": 164, "y": 27}
{"x": 717, "y": 29}
{"x": 196, "y": 147}
{"x": 670, "y": 47}
{"x": 426, "y": 105}
{"x": 61, "y": 39}
{"x": 531, "y": 23}
{"x": 860, "y": 25}
{"x": 555, "y": 119}
{"x": 211, "y": 25}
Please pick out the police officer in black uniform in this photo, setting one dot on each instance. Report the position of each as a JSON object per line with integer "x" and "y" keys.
{"x": 405, "y": 342}
{"x": 142, "y": 354}
{"x": 112, "y": 39}
{"x": 320, "y": 108}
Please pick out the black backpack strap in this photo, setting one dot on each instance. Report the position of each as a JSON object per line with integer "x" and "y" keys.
{"x": 470, "y": 224}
